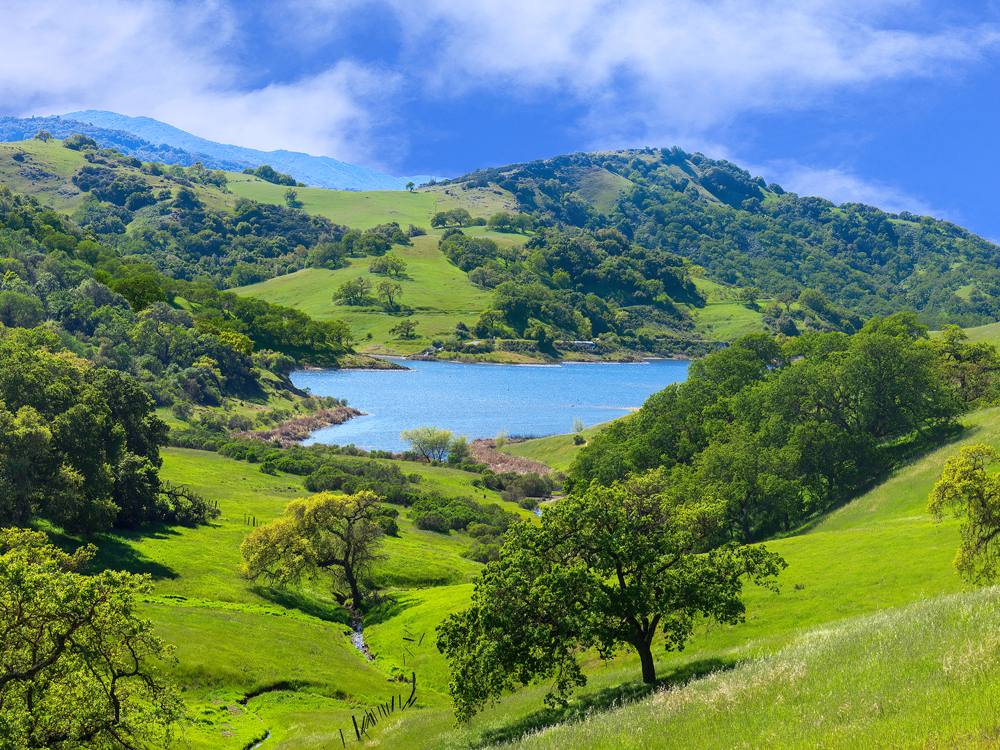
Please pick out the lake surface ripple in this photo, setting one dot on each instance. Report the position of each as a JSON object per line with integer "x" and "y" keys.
{"x": 481, "y": 400}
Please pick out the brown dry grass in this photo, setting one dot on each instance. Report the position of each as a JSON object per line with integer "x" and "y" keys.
{"x": 485, "y": 452}
{"x": 298, "y": 429}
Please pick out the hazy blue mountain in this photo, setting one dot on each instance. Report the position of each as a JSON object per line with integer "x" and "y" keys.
{"x": 322, "y": 171}
{"x": 19, "y": 129}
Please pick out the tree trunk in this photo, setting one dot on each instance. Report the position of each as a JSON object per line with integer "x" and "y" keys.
{"x": 646, "y": 659}
{"x": 353, "y": 583}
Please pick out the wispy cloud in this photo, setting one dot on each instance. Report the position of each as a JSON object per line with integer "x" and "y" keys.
{"x": 842, "y": 185}
{"x": 160, "y": 59}
{"x": 638, "y": 68}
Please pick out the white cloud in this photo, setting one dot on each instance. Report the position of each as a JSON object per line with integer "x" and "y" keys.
{"x": 639, "y": 68}
{"x": 157, "y": 59}
{"x": 845, "y": 186}
{"x": 692, "y": 61}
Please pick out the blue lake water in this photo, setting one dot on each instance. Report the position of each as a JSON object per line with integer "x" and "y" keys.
{"x": 484, "y": 400}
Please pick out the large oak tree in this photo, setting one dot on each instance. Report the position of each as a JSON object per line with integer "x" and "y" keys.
{"x": 611, "y": 569}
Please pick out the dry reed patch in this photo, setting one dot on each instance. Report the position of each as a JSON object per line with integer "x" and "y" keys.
{"x": 484, "y": 451}
{"x": 298, "y": 429}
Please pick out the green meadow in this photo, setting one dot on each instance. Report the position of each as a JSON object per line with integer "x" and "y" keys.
{"x": 363, "y": 210}
{"x": 436, "y": 294}
{"x": 869, "y": 628}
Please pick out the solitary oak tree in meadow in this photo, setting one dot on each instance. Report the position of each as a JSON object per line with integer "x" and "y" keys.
{"x": 610, "y": 569}
{"x": 973, "y": 494}
{"x": 325, "y": 533}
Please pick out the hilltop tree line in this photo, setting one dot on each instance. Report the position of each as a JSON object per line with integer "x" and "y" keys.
{"x": 748, "y": 233}
{"x": 581, "y": 286}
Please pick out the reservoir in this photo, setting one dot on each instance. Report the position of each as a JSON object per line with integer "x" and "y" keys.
{"x": 483, "y": 400}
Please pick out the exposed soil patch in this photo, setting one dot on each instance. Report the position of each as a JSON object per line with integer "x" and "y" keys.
{"x": 298, "y": 429}
{"x": 485, "y": 452}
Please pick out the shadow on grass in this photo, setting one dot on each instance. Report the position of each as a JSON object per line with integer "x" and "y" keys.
{"x": 897, "y": 457}
{"x": 385, "y": 610}
{"x": 599, "y": 701}
{"x": 297, "y": 599}
{"x": 114, "y": 552}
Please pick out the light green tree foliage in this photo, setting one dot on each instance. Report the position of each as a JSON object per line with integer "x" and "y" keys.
{"x": 405, "y": 329}
{"x": 353, "y": 292}
{"x": 608, "y": 570}
{"x": 388, "y": 291}
{"x": 458, "y": 450}
{"x": 75, "y": 660}
{"x": 430, "y": 442}
{"x": 335, "y": 534}
{"x": 387, "y": 265}
{"x": 292, "y": 198}
{"x": 968, "y": 491}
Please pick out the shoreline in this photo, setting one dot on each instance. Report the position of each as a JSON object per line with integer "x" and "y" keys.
{"x": 466, "y": 361}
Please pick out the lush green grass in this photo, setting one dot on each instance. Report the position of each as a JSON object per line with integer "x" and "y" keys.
{"x": 602, "y": 189}
{"x": 406, "y": 640}
{"x": 922, "y": 676}
{"x": 234, "y": 637}
{"x": 437, "y": 293}
{"x": 726, "y": 321}
{"x": 557, "y": 451}
{"x": 43, "y": 173}
{"x": 358, "y": 210}
{"x": 875, "y": 554}
{"x": 363, "y": 210}
{"x": 879, "y": 552}
{"x": 989, "y": 334}
{"x": 47, "y": 176}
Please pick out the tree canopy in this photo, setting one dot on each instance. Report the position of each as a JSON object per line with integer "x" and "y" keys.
{"x": 611, "y": 569}
{"x": 430, "y": 442}
{"x": 782, "y": 432}
{"x": 336, "y": 534}
{"x": 75, "y": 660}
{"x": 972, "y": 494}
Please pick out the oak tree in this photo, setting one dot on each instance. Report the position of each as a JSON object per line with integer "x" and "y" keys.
{"x": 75, "y": 660}
{"x": 968, "y": 491}
{"x": 430, "y": 442}
{"x": 324, "y": 533}
{"x": 608, "y": 570}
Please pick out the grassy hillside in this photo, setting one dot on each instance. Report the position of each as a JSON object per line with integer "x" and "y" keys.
{"x": 45, "y": 170}
{"x": 437, "y": 293}
{"x": 851, "y": 653}
{"x": 847, "y": 575}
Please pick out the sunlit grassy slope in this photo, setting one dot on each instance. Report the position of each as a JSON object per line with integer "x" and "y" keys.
{"x": 876, "y": 554}
{"x": 558, "y": 451}
{"x": 363, "y": 210}
{"x": 436, "y": 294}
{"x": 989, "y": 334}
{"x": 234, "y": 637}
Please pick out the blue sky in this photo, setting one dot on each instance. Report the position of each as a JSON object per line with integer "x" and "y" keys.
{"x": 888, "y": 102}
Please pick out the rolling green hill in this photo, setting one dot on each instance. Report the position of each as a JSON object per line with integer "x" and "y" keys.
{"x": 875, "y": 554}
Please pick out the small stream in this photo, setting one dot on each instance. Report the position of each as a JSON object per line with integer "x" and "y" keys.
{"x": 261, "y": 742}
{"x": 358, "y": 636}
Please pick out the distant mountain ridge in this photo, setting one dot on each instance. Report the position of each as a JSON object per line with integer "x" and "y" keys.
{"x": 20, "y": 129}
{"x": 320, "y": 171}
